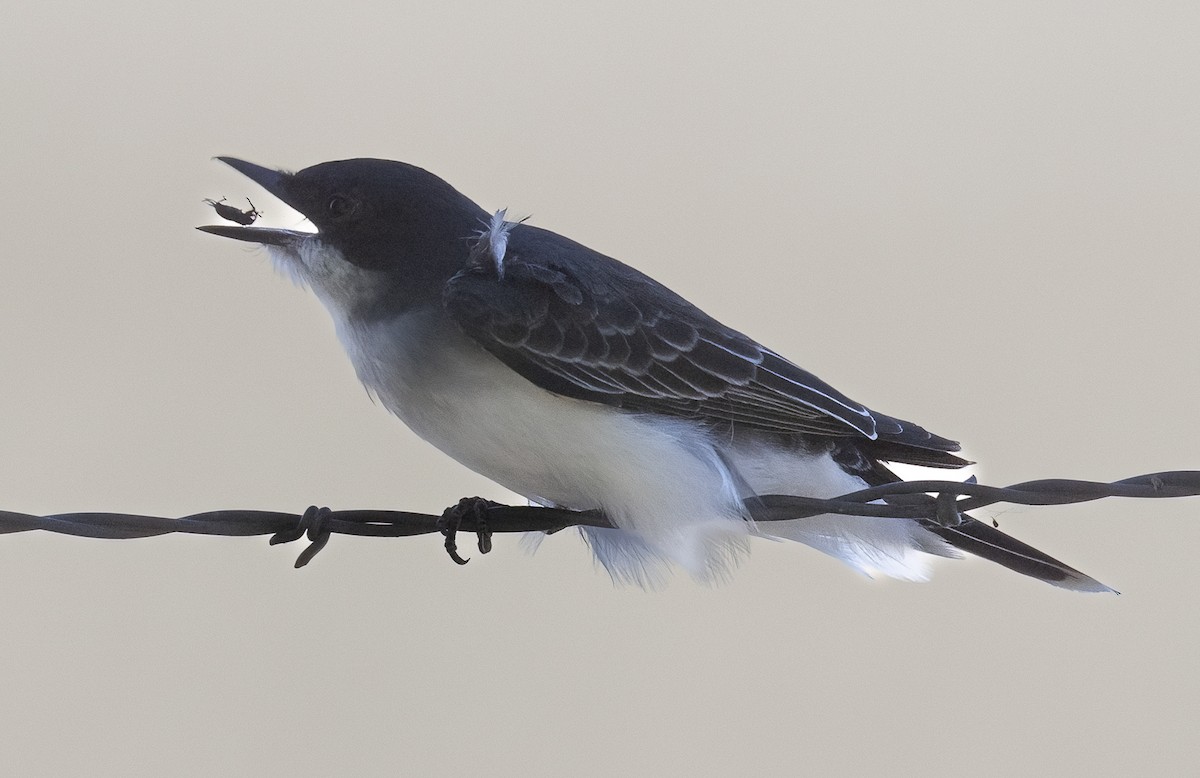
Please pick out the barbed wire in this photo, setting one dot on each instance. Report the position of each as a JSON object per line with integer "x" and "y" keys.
{"x": 941, "y": 502}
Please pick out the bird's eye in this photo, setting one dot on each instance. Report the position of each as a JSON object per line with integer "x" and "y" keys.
{"x": 340, "y": 206}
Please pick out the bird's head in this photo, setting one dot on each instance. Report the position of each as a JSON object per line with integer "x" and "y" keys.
{"x": 386, "y": 231}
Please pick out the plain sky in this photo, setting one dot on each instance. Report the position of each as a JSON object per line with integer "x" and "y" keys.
{"x": 981, "y": 216}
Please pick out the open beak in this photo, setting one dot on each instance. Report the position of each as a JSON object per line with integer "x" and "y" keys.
{"x": 274, "y": 181}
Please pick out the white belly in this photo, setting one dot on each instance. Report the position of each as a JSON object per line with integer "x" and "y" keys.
{"x": 657, "y": 478}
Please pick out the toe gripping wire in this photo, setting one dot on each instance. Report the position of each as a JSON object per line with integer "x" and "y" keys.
{"x": 473, "y": 511}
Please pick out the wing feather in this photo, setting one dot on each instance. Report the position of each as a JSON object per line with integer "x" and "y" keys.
{"x": 584, "y": 325}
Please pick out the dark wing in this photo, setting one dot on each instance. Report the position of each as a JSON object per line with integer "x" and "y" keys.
{"x": 586, "y": 326}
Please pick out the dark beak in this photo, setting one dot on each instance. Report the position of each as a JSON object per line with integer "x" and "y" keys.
{"x": 264, "y": 235}
{"x": 275, "y": 182}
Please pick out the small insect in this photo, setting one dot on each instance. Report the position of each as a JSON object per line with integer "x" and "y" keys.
{"x": 229, "y": 213}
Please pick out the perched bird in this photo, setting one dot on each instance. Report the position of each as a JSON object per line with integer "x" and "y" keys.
{"x": 578, "y": 382}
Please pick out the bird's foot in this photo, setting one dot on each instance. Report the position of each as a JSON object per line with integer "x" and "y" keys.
{"x": 473, "y": 510}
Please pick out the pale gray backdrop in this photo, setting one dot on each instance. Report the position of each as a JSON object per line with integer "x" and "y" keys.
{"x": 982, "y": 217}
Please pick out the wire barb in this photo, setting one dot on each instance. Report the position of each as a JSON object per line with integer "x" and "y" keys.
{"x": 947, "y": 510}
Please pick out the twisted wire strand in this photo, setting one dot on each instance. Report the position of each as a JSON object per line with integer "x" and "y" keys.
{"x": 936, "y": 501}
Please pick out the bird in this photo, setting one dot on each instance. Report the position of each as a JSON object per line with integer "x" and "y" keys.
{"x": 578, "y": 382}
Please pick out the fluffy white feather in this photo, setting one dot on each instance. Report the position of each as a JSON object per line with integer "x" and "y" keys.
{"x": 492, "y": 243}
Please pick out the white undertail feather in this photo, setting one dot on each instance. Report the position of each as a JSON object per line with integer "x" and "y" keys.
{"x": 874, "y": 546}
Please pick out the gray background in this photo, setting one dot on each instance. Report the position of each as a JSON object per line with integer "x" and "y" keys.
{"x": 982, "y": 218}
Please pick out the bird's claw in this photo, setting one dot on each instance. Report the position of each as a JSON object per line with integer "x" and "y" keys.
{"x": 474, "y": 510}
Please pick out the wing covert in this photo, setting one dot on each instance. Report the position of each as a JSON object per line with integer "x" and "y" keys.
{"x": 581, "y": 324}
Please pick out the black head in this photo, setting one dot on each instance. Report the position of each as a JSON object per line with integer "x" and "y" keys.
{"x": 380, "y": 214}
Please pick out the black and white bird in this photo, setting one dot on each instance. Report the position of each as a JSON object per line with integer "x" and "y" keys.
{"x": 576, "y": 381}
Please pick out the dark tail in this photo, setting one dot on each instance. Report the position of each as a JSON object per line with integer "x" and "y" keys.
{"x": 972, "y": 536}
{"x": 980, "y": 539}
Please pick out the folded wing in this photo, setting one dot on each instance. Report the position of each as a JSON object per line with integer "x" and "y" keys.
{"x": 583, "y": 325}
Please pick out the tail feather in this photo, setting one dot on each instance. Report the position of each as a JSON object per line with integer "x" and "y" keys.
{"x": 982, "y": 540}
{"x": 972, "y": 536}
